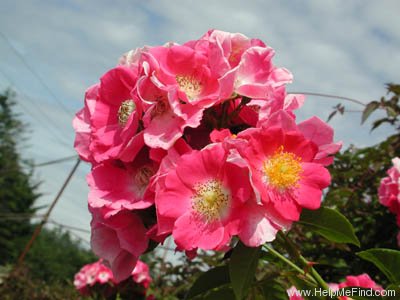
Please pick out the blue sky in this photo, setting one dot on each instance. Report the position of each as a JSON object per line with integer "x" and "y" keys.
{"x": 348, "y": 48}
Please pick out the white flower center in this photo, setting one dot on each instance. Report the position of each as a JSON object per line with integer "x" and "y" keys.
{"x": 210, "y": 200}
{"x": 191, "y": 86}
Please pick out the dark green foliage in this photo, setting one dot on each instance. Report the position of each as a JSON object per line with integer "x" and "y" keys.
{"x": 356, "y": 175}
{"x": 329, "y": 223}
{"x": 23, "y": 286}
{"x": 173, "y": 281}
{"x": 242, "y": 268}
{"x": 211, "y": 279}
{"x": 17, "y": 192}
{"x": 390, "y": 104}
{"x": 55, "y": 257}
{"x": 387, "y": 260}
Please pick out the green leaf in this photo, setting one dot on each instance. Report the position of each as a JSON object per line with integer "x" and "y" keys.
{"x": 387, "y": 260}
{"x": 242, "y": 268}
{"x": 391, "y": 112}
{"x": 209, "y": 280}
{"x": 360, "y": 293}
{"x": 331, "y": 115}
{"x": 225, "y": 293}
{"x": 394, "y": 88}
{"x": 369, "y": 109}
{"x": 330, "y": 224}
{"x": 378, "y": 123}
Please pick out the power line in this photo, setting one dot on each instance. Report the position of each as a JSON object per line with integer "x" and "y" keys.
{"x": 19, "y": 217}
{"x": 46, "y": 216}
{"x": 56, "y": 161}
{"x": 79, "y": 237}
{"x": 12, "y": 84}
{"x": 69, "y": 226}
{"x": 35, "y": 74}
{"x": 49, "y": 120}
{"x": 331, "y": 96}
{"x": 44, "y": 164}
{"x": 42, "y": 112}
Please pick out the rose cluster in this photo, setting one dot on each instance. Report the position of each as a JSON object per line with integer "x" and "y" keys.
{"x": 90, "y": 275}
{"x": 362, "y": 281}
{"x": 389, "y": 190}
{"x": 199, "y": 142}
{"x": 97, "y": 274}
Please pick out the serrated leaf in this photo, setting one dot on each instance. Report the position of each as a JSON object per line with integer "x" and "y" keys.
{"x": 369, "y": 109}
{"x": 330, "y": 224}
{"x": 209, "y": 280}
{"x": 386, "y": 260}
{"x": 242, "y": 268}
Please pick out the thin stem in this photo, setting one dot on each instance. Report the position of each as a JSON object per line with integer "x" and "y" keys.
{"x": 314, "y": 273}
{"x": 237, "y": 110}
{"x": 331, "y": 96}
{"x": 305, "y": 263}
{"x": 288, "y": 262}
{"x": 222, "y": 121}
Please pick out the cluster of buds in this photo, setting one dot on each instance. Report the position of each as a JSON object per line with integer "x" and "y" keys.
{"x": 97, "y": 279}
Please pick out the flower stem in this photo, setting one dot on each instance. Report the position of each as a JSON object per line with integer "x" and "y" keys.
{"x": 288, "y": 262}
{"x": 293, "y": 250}
{"x": 237, "y": 110}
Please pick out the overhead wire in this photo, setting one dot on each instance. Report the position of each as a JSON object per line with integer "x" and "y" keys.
{"x": 56, "y": 161}
{"x": 47, "y": 214}
{"x": 356, "y": 101}
{"x": 54, "y": 124}
{"x": 68, "y": 226}
{"x": 35, "y": 74}
{"x": 43, "y": 164}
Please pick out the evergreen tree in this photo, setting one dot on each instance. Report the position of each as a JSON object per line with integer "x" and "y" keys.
{"x": 17, "y": 192}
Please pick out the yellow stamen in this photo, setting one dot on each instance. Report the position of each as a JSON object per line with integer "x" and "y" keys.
{"x": 283, "y": 170}
{"x": 210, "y": 200}
{"x": 125, "y": 110}
{"x": 191, "y": 86}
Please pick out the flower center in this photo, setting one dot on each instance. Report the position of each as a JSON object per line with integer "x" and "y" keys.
{"x": 191, "y": 86}
{"x": 210, "y": 200}
{"x": 125, "y": 110}
{"x": 283, "y": 169}
{"x": 234, "y": 57}
{"x": 143, "y": 176}
{"x": 141, "y": 180}
{"x": 160, "y": 108}
{"x": 103, "y": 275}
